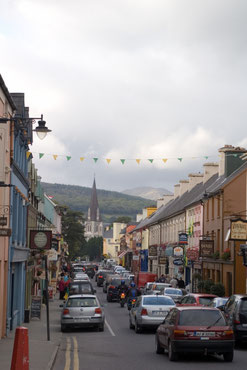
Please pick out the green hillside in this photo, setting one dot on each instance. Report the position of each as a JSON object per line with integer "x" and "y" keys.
{"x": 112, "y": 204}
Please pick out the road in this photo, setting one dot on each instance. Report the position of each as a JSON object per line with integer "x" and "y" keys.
{"x": 119, "y": 348}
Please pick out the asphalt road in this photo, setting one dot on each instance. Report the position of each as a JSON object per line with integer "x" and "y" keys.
{"x": 119, "y": 348}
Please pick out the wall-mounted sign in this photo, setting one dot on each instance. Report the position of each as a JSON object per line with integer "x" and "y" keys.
{"x": 5, "y": 232}
{"x": 152, "y": 251}
{"x": 3, "y": 221}
{"x": 52, "y": 254}
{"x": 169, "y": 251}
{"x": 238, "y": 229}
{"x": 178, "y": 251}
{"x": 40, "y": 239}
{"x": 206, "y": 248}
{"x": 192, "y": 253}
{"x": 135, "y": 258}
{"x": 178, "y": 262}
{"x": 162, "y": 260}
{"x": 183, "y": 238}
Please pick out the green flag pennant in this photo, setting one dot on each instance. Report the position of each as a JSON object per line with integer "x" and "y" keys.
{"x": 206, "y": 157}
{"x": 68, "y": 157}
{"x": 180, "y": 159}
{"x": 95, "y": 159}
{"x": 151, "y": 160}
{"x": 41, "y": 155}
{"x": 122, "y": 160}
{"x": 235, "y": 155}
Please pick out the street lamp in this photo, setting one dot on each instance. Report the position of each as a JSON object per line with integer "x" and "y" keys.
{"x": 41, "y": 130}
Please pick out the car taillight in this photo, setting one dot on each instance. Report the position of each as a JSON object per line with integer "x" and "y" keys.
{"x": 66, "y": 311}
{"x": 180, "y": 333}
{"x": 228, "y": 333}
{"x": 98, "y": 310}
{"x": 236, "y": 322}
{"x": 144, "y": 312}
{"x": 111, "y": 287}
{"x": 100, "y": 276}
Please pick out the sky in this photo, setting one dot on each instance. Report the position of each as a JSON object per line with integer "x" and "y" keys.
{"x": 128, "y": 79}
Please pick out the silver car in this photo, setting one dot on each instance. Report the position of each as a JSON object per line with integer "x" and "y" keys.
{"x": 174, "y": 293}
{"x": 149, "y": 311}
{"x": 158, "y": 288}
{"x": 81, "y": 311}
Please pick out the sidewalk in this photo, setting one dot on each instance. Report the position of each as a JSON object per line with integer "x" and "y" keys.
{"x": 42, "y": 353}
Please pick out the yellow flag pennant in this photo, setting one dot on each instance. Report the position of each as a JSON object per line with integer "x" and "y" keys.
{"x": 164, "y": 160}
{"x": 138, "y": 161}
{"x": 108, "y": 160}
{"x": 82, "y": 159}
{"x": 28, "y": 154}
{"x": 55, "y": 156}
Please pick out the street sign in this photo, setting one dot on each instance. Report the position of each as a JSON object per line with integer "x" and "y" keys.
{"x": 178, "y": 262}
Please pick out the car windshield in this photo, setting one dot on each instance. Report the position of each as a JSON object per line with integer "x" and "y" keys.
{"x": 158, "y": 286}
{"x": 201, "y": 318}
{"x": 205, "y": 301}
{"x": 173, "y": 291}
{"x": 75, "y": 288}
{"x": 82, "y": 302}
{"x": 243, "y": 306}
{"x": 156, "y": 301}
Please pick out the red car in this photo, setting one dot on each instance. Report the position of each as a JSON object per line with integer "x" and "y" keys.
{"x": 195, "y": 330}
{"x": 197, "y": 299}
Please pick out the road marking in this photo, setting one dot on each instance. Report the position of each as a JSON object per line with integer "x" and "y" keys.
{"x": 67, "y": 355}
{"x": 110, "y": 329}
{"x": 76, "y": 358}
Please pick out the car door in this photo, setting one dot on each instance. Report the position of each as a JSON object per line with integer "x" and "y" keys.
{"x": 135, "y": 310}
{"x": 162, "y": 332}
{"x": 169, "y": 327}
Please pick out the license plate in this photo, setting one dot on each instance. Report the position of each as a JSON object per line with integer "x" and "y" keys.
{"x": 81, "y": 320}
{"x": 244, "y": 325}
{"x": 159, "y": 313}
{"x": 204, "y": 334}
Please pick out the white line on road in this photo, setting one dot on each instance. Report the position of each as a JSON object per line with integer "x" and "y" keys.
{"x": 110, "y": 329}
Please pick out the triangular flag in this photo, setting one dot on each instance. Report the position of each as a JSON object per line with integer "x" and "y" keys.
{"x": 108, "y": 160}
{"x": 151, "y": 160}
{"x": 122, "y": 160}
{"x": 164, "y": 160}
{"x": 68, "y": 157}
{"x": 41, "y": 155}
{"x": 55, "y": 156}
{"x": 81, "y": 159}
{"x": 206, "y": 157}
{"x": 28, "y": 154}
{"x": 235, "y": 155}
{"x": 180, "y": 159}
{"x": 95, "y": 159}
{"x": 138, "y": 161}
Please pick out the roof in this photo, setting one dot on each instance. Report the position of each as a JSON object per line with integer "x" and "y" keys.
{"x": 108, "y": 234}
{"x": 94, "y": 205}
{"x": 7, "y": 94}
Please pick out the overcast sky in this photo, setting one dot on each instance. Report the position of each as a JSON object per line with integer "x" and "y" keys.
{"x": 127, "y": 79}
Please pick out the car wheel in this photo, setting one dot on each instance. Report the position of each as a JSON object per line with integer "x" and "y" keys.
{"x": 101, "y": 327}
{"x": 138, "y": 328}
{"x": 158, "y": 347}
{"x": 228, "y": 357}
{"x": 171, "y": 354}
{"x": 63, "y": 328}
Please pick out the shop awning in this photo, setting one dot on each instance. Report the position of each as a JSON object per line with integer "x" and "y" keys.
{"x": 122, "y": 254}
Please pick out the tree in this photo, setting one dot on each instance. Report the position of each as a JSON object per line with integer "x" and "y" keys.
{"x": 123, "y": 219}
{"x": 73, "y": 231}
{"x": 94, "y": 248}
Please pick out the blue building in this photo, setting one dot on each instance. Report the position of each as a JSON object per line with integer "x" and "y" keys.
{"x": 21, "y": 136}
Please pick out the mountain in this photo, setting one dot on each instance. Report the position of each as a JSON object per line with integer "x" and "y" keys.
{"x": 112, "y": 204}
{"x": 147, "y": 192}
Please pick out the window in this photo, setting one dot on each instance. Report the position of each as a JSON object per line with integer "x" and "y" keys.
{"x": 205, "y": 301}
{"x": 158, "y": 300}
{"x": 82, "y": 302}
{"x": 201, "y": 318}
{"x": 218, "y": 207}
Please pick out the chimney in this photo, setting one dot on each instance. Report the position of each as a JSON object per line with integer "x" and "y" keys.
{"x": 194, "y": 179}
{"x": 176, "y": 191}
{"x": 210, "y": 169}
{"x": 184, "y": 186}
{"x": 164, "y": 200}
{"x": 230, "y": 159}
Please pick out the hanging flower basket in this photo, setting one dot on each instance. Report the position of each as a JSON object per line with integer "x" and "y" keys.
{"x": 226, "y": 255}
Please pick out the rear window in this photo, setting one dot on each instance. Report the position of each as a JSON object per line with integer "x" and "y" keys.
{"x": 156, "y": 301}
{"x": 173, "y": 291}
{"x": 201, "y": 318}
{"x": 205, "y": 301}
{"x": 82, "y": 302}
{"x": 76, "y": 288}
{"x": 243, "y": 305}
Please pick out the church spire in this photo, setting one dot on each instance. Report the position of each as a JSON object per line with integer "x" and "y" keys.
{"x": 93, "y": 211}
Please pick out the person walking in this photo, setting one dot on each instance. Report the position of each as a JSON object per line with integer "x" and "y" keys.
{"x": 181, "y": 283}
{"x": 174, "y": 282}
{"x": 61, "y": 288}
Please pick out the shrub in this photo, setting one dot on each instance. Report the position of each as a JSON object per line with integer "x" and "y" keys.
{"x": 207, "y": 286}
{"x": 218, "y": 289}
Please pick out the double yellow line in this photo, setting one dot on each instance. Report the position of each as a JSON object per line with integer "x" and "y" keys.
{"x": 68, "y": 352}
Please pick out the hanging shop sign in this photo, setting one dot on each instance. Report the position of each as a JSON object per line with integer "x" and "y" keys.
{"x": 40, "y": 239}
{"x": 206, "y": 248}
{"x": 152, "y": 251}
{"x": 238, "y": 229}
{"x": 52, "y": 254}
{"x": 5, "y": 232}
{"x": 192, "y": 254}
{"x": 169, "y": 251}
{"x": 162, "y": 260}
{"x": 178, "y": 252}
{"x": 178, "y": 262}
{"x": 135, "y": 258}
{"x": 183, "y": 238}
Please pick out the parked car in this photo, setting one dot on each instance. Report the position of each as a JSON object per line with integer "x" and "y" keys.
{"x": 158, "y": 288}
{"x": 219, "y": 302}
{"x": 81, "y": 311}
{"x": 112, "y": 290}
{"x": 149, "y": 311}
{"x": 147, "y": 288}
{"x": 197, "y": 299}
{"x": 236, "y": 315}
{"x": 81, "y": 287}
{"x": 197, "y": 330}
{"x": 174, "y": 293}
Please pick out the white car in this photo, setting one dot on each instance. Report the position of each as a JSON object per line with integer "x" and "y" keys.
{"x": 158, "y": 288}
{"x": 81, "y": 276}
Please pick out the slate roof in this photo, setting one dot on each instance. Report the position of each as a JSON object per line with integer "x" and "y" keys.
{"x": 94, "y": 205}
{"x": 108, "y": 234}
{"x": 19, "y": 101}
{"x": 7, "y": 94}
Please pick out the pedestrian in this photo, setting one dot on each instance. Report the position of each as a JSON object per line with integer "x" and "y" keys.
{"x": 188, "y": 287}
{"x": 174, "y": 282}
{"x": 162, "y": 279}
{"x": 181, "y": 283}
{"x": 61, "y": 287}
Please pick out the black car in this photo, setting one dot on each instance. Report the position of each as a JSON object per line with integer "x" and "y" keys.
{"x": 236, "y": 315}
{"x": 101, "y": 277}
{"x": 112, "y": 290}
{"x": 90, "y": 271}
{"x": 81, "y": 287}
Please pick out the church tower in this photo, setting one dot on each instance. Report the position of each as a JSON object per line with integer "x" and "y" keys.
{"x": 93, "y": 224}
